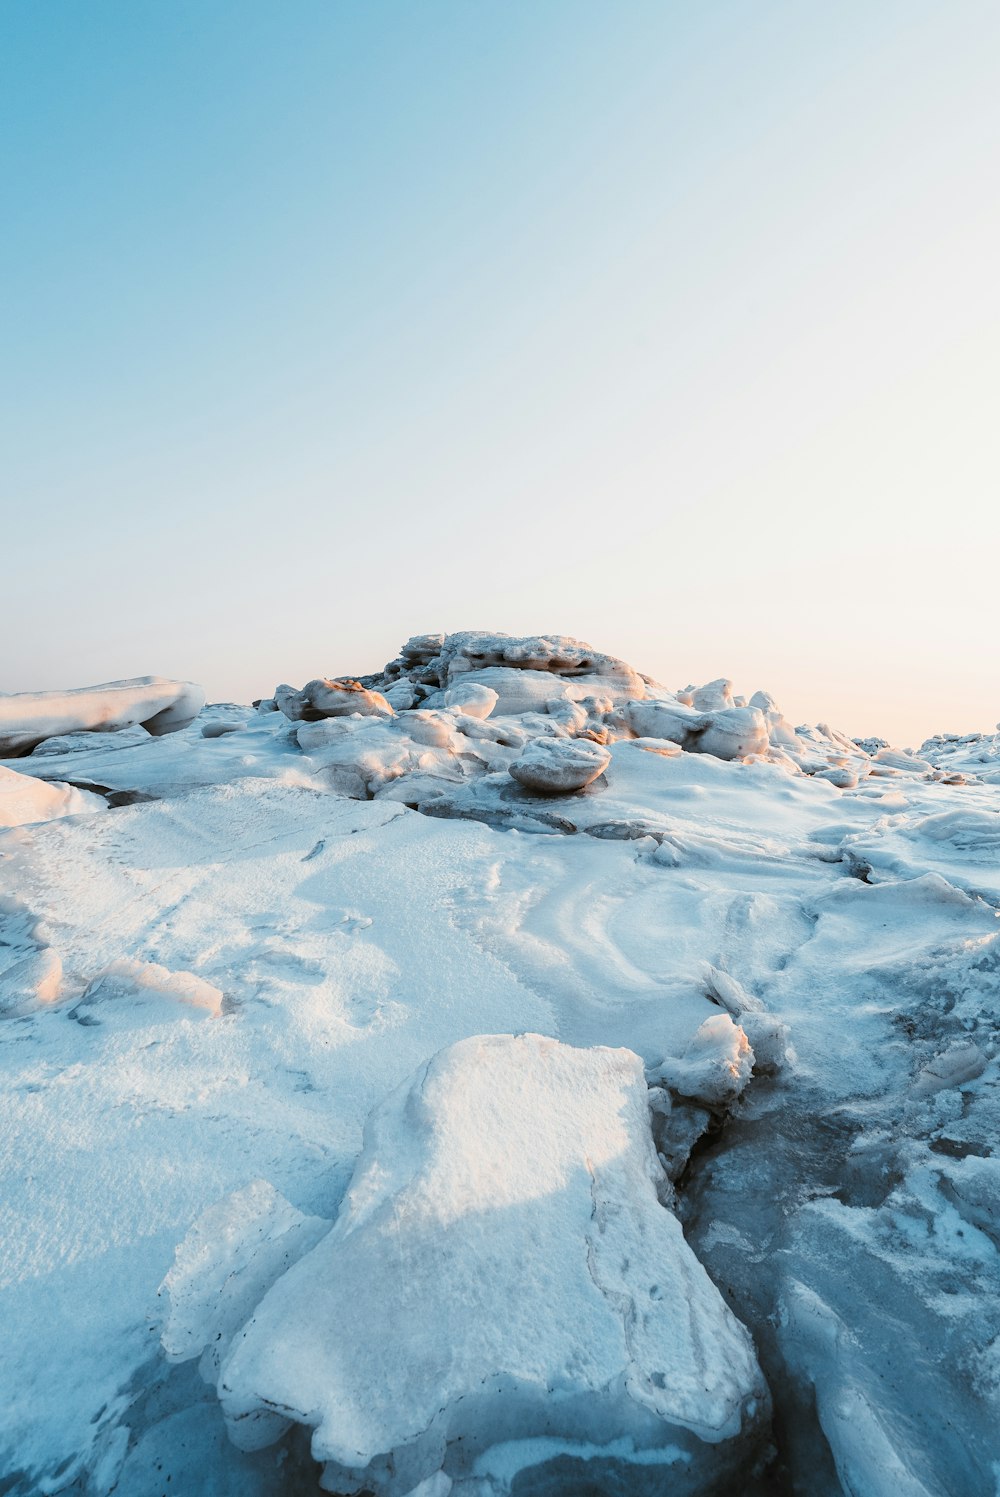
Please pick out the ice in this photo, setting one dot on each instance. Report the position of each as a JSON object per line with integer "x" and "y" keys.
{"x": 33, "y": 980}
{"x": 124, "y": 984}
{"x": 24, "y": 800}
{"x": 471, "y": 699}
{"x": 321, "y": 699}
{"x": 28, "y": 718}
{"x": 715, "y": 1066}
{"x": 270, "y": 925}
{"x": 501, "y": 1269}
{"x": 234, "y": 1252}
{"x": 559, "y": 765}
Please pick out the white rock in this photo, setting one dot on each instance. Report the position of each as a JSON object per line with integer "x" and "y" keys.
{"x": 161, "y": 706}
{"x": 558, "y": 766}
{"x": 502, "y": 1277}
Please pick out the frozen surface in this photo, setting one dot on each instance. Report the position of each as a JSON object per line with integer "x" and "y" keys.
{"x": 223, "y": 949}
{"x": 501, "y": 1265}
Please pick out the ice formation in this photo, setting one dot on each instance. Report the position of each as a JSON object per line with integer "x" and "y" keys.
{"x": 28, "y": 718}
{"x": 24, "y": 799}
{"x": 501, "y": 1270}
{"x": 224, "y": 949}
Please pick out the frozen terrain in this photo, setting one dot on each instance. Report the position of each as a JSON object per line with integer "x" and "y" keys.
{"x": 499, "y": 1077}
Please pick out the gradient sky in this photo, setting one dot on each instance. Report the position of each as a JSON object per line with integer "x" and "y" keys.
{"x": 675, "y": 327}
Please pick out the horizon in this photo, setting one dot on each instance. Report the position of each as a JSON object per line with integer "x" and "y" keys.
{"x": 675, "y": 329}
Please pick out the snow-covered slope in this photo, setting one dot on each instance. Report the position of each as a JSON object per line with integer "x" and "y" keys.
{"x": 222, "y": 950}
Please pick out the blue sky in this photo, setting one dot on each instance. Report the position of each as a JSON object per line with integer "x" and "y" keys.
{"x": 675, "y": 327}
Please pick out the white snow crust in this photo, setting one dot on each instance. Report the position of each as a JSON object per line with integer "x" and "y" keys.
{"x": 266, "y": 926}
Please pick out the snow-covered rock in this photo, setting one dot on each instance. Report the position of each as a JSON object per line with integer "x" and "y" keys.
{"x": 558, "y": 766}
{"x": 322, "y": 698}
{"x": 502, "y": 1290}
{"x": 160, "y": 706}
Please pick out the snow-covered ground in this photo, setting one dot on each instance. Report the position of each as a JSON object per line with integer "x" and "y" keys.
{"x": 280, "y": 1204}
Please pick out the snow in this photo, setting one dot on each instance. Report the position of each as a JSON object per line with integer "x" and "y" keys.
{"x": 28, "y": 718}
{"x": 559, "y": 765}
{"x": 501, "y": 1260}
{"x": 24, "y": 800}
{"x": 224, "y": 949}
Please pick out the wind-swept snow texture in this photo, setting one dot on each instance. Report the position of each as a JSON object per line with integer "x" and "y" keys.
{"x": 224, "y": 949}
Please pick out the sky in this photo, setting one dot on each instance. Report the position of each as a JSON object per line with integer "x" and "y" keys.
{"x": 672, "y": 327}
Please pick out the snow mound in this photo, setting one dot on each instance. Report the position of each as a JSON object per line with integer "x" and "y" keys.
{"x": 559, "y": 765}
{"x": 156, "y": 991}
{"x": 25, "y": 800}
{"x": 502, "y": 1290}
{"x": 160, "y": 706}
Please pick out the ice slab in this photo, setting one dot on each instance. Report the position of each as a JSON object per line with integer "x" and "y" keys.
{"x": 161, "y": 706}
{"x": 502, "y": 1270}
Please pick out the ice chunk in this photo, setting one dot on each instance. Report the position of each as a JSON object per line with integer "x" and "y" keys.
{"x": 958, "y": 1064}
{"x": 322, "y": 698}
{"x": 34, "y": 980}
{"x": 161, "y": 706}
{"x": 501, "y": 1270}
{"x": 472, "y": 699}
{"x": 25, "y": 800}
{"x": 233, "y": 1253}
{"x": 726, "y": 732}
{"x": 714, "y": 1068}
{"x": 556, "y": 766}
